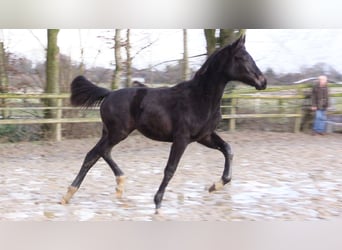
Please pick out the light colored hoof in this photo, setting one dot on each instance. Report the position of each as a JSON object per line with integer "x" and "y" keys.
{"x": 66, "y": 198}
{"x": 118, "y": 193}
{"x": 64, "y": 202}
{"x": 216, "y": 186}
{"x": 120, "y": 180}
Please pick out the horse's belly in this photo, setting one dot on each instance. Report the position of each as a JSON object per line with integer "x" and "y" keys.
{"x": 156, "y": 136}
{"x": 155, "y": 127}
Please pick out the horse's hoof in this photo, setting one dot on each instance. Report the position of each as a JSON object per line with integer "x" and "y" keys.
{"x": 64, "y": 202}
{"x": 118, "y": 193}
{"x": 212, "y": 188}
{"x": 69, "y": 194}
{"x": 216, "y": 186}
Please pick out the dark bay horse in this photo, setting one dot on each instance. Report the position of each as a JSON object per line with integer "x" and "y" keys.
{"x": 188, "y": 112}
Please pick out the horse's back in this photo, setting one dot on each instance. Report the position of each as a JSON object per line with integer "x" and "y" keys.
{"x": 155, "y": 112}
{"x": 123, "y": 108}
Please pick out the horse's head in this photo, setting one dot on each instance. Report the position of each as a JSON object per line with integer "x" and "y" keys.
{"x": 238, "y": 65}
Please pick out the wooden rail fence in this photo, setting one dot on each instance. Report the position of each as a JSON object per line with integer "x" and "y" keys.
{"x": 233, "y": 115}
{"x": 279, "y": 95}
{"x": 39, "y": 119}
{"x": 295, "y": 93}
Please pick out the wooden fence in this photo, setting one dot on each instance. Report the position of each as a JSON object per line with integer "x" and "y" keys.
{"x": 275, "y": 97}
{"x": 299, "y": 95}
{"x": 15, "y": 111}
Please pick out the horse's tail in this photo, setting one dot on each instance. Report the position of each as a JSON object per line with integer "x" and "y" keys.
{"x": 86, "y": 94}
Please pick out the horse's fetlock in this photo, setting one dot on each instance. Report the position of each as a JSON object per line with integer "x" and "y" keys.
{"x": 157, "y": 199}
{"x": 226, "y": 179}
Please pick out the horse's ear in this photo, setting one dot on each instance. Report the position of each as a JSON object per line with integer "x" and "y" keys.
{"x": 243, "y": 39}
{"x": 239, "y": 43}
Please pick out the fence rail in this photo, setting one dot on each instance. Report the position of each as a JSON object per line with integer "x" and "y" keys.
{"x": 297, "y": 93}
{"x": 234, "y": 97}
{"x": 48, "y": 121}
{"x": 282, "y": 96}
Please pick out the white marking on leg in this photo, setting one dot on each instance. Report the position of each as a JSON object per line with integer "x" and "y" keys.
{"x": 71, "y": 191}
{"x": 120, "y": 180}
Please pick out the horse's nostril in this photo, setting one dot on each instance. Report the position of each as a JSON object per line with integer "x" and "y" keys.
{"x": 264, "y": 84}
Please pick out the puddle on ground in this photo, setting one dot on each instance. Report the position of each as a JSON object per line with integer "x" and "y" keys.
{"x": 281, "y": 195}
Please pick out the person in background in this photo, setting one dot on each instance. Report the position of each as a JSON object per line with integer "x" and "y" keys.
{"x": 320, "y": 102}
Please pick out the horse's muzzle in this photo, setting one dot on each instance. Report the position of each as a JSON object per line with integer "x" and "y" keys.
{"x": 261, "y": 83}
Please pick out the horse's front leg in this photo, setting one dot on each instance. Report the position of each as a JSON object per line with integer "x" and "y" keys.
{"x": 177, "y": 150}
{"x": 216, "y": 142}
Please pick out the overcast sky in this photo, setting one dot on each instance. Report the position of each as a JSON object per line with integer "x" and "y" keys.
{"x": 284, "y": 50}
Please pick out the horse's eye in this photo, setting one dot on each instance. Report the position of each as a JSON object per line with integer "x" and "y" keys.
{"x": 237, "y": 58}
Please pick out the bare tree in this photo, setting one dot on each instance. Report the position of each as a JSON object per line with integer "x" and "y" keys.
{"x": 219, "y": 39}
{"x": 81, "y": 65}
{"x": 186, "y": 71}
{"x": 128, "y": 59}
{"x": 210, "y": 38}
{"x": 3, "y": 74}
{"x": 228, "y": 36}
{"x": 118, "y": 60}
{"x": 52, "y": 62}
{"x": 52, "y": 86}
{"x": 123, "y": 65}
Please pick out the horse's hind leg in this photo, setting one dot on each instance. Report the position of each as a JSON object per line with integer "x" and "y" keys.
{"x": 91, "y": 158}
{"x": 115, "y": 134}
{"x": 120, "y": 178}
{"x": 89, "y": 161}
{"x": 102, "y": 149}
{"x": 216, "y": 142}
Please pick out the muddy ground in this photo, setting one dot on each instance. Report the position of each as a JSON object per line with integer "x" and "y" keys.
{"x": 276, "y": 176}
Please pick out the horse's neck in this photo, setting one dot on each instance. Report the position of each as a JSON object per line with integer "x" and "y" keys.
{"x": 212, "y": 88}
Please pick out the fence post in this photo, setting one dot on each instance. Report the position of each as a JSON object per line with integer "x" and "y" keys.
{"x": 257, "y": 102}
{"x": 232, "y": 121}
{"x": 281, "y": 108}
{"x": 58, "y": 127}
{"x": 298, "y": 120}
